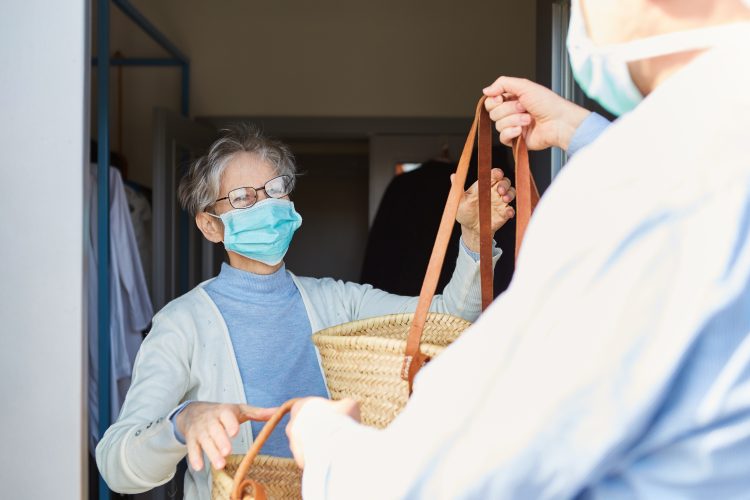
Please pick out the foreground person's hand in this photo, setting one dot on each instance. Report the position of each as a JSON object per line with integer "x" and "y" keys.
{"x": 517, "y": 106}
{"x": 347, "y": 407}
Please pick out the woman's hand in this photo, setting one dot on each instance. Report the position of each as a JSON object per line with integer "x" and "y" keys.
{"x": 502, "y": 193}
{"x": 209, "y": 428}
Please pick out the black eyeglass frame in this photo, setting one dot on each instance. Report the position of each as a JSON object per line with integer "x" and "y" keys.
{"x": 290, "y": 183}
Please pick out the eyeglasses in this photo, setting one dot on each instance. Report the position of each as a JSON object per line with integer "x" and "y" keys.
{"x": 245, "y": 197}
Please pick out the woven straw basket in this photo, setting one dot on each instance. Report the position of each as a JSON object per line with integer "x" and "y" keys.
{"x": 362, "y": 360}
{"x": 280, "y": 476}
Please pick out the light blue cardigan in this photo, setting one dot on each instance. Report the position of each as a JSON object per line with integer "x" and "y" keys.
{"x": 188, "y": 355}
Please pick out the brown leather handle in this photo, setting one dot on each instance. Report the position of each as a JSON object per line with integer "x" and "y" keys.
{"x": 241, "y": 483}
{"x": 527, "y": 195}
{"x": 481, "y": 128}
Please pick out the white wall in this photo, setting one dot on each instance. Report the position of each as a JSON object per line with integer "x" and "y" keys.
{"x": 44, "y": 58}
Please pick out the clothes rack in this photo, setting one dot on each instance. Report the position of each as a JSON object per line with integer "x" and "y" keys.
{"x": 103, "y": 63}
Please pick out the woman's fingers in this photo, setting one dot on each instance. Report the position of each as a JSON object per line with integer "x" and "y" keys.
{"x": 498, "y": 180}
{"x": 218, "y": 433}
{"x": 501, "y": 183}
{"x": 509, "y": 195}
{"x": 195, "y": 454}
{"x": 211, "y": 450}
{"x": 229, "y": 420}
{"x": 496, "y": 175}
{"x": 257, "y": 414}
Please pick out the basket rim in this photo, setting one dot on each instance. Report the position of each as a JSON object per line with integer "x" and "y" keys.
{"x": 352, "y": 327}
{"x": 351, "y": 342}
{"x": 350, "y": 336}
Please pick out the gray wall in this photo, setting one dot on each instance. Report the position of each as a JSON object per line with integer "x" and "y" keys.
{"x": 331, "y": 196}
{"x": 44, "y": 57}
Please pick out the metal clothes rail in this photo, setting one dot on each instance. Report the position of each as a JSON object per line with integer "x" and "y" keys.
{"x": 103, "y": 64}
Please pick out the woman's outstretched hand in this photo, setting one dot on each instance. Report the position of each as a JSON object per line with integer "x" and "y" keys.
{"x": 209, "y": 428}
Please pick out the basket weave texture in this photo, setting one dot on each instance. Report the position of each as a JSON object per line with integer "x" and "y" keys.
{"x": 280, "y": 476}
{"x": 362, "y": 360}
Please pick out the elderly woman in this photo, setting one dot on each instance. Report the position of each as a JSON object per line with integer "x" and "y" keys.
{"x": 244, "y": 337}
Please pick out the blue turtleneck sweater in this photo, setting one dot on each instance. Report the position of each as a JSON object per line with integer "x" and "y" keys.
{"x": 271, "y": 336}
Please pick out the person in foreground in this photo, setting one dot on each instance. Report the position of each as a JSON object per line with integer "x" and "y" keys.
{"x": 617, "y": 365}
{"x": 245, "y": 336}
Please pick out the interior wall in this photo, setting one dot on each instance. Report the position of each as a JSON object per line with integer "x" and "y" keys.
{"x": 43, "y": 130}
{"x": 327, "y": 58}
{"x": 331, "y": 196}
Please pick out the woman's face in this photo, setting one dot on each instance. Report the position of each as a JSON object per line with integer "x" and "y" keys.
{"x": 244, "y": 170}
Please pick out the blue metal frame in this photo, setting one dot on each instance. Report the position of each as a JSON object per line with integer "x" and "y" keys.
{"x": 129, "y": 10}
{"x": 104, "y": 344}
{"x": 139, "y": 61}
{"x": 103, "y": 65}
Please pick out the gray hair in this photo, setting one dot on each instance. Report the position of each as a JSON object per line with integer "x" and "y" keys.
{"x": 199, "y": 188}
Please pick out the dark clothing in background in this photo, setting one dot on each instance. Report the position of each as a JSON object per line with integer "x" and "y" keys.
{"x": 406, "y": 224}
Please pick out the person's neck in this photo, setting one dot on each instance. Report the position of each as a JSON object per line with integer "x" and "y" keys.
{"x": 650, "y": 73}
{"x": 251, "y": 266}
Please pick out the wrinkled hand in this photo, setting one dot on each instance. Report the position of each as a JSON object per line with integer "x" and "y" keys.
{"x": 520, "y": 106}
{"x": 502, "y": 193}
{"x": 347, "y": 407}
{"x": 209, "y": 427}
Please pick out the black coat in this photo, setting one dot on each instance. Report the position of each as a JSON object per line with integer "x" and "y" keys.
{"x": 403, "y": 232}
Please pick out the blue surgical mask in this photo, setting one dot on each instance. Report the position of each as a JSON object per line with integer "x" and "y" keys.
{"x": 602, "y": 71}
{"x": 262, "y": 232}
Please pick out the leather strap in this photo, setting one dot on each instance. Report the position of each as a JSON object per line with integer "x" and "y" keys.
{"x": 252, "y": 490}
{"x": 240, "y": 476}
{"x": 484, "y": 164}
{"x": 527, "y": 194}
{"x": 413, "y": 358}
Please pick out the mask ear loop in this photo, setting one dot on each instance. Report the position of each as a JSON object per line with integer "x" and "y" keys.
{"x": 676, "y": 42}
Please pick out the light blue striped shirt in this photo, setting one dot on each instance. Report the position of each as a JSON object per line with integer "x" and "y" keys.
{"x": 587, "y": 132}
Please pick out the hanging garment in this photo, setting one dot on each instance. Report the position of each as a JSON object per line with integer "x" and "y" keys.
{"x": 140, "y": 215}
{"x": 404, "y": 228}
{"x": 130, "y": 306}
